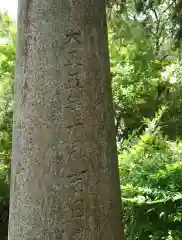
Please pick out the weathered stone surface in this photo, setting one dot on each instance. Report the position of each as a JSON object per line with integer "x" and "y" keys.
{"x": 64, "y": 169}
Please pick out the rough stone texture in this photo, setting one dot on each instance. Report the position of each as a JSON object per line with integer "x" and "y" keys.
{"x": 65, "y": 181}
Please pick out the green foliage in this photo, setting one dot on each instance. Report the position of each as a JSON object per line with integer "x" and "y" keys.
{"x": 151, "y": 176}
{"x": 7, "y": 62}
{"x": 146, "y": 74}
{"x": 144, "y": 68}
{"x": 4, "y": 182}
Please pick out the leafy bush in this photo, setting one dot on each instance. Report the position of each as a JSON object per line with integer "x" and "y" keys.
{"x": 151, "y": 176}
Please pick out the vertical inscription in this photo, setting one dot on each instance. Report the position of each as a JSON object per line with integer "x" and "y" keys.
{"x": 76, "y": 178}
{"x": 73, "y": 63}
{"x": 77, "y": 182}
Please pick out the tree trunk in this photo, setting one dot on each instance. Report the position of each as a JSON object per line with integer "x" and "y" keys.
{"x": 65, "y": 182}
